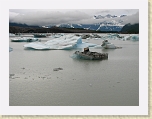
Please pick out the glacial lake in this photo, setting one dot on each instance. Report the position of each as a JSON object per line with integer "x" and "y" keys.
{"x": 111, "y": 82}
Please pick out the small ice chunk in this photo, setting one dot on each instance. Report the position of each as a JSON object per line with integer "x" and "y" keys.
{"x": 24, "y": 39}
{"x": 10, "y": 49}
{"x": 57, "y": 69}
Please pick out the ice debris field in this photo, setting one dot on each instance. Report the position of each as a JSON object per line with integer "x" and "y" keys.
{"x": 71, "y": 41}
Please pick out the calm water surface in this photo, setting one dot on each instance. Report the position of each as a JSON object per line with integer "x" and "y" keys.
{"x": 112, "y": 82}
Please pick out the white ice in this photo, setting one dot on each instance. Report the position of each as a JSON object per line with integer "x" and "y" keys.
{"x": 10, "y": 49}
{"x": 11, "y": 34}
{"x": 65, "y": 42}
{"x": 24, "y": 39}
{"x": 132, "y": 37}
{"x": 124, "y": 37}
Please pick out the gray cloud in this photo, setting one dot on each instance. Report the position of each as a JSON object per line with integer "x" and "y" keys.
{"x": 132, "y": 19}
{"x": 47, "y": 17}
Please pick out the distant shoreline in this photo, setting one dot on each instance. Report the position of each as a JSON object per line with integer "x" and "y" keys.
{"x": 127, "y": 29}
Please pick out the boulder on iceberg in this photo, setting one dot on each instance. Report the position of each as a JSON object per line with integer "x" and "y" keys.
{"x": 87, "y": 55}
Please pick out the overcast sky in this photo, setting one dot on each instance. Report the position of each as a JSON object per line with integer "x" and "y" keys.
{"x": 57, "y": 16}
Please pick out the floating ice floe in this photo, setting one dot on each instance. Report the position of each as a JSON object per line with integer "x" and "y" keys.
{"x": 39, "y": 35}
{"x": 115, "y": 36}
{"x": 111, "y": 36}
{"x": 24, "y": 39}
{"x": 58, "y": 35}
{"x": 132, "y": 37}
{"x": 65, "y": 42}
{"x": 88, "y": 36}
{"x": 11, "y": 34}
{"x": 10, "y": 49}
{"x": 108, "y": 45}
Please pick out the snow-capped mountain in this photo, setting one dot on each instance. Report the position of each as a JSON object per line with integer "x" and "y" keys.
{"x": 107, "y": 16}
{"x": 111, "y": 23}
{"x": 102, "y": 26}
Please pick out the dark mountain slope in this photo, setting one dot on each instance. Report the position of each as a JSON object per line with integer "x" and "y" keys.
{"x": 23, "y": 28}
{"x": 22, "y": 25}
{"x": 128, "y": 28}
{"x": 16, "y": 29}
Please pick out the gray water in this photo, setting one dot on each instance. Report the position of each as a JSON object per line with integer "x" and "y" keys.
{"x": 112, "y": 82}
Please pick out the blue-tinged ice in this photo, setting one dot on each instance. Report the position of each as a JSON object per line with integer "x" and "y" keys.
{"x": 124, "y": 37}
{"x": 108, "y": 45}
{"x": 57, "y": 35}
{"x": 133, "y": 37}
{"x": 65, "y": 42}
{"x": 38, "y": 46}
{"x": 11, "y": 34}
{"x": 10, "y": 49}
{"x": 24, "y": 39}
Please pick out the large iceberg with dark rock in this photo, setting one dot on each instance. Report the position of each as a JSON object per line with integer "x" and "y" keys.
{"x": 87, "y": 55}
{"x": 65, "y": 42}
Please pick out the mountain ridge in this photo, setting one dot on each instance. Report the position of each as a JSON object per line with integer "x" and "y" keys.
{"x": 23, "y": 28}
{"x": 108, "y": 16}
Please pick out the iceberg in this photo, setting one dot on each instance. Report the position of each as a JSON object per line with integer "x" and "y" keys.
{"x": 65, "y": 42}
{"x": 133, "y": 37}
{"x": 115, "y": 36}
{"x": 11, "y": 34}
{"x": 111, "y": 36}
{"x": 57, "y": 35}
{"x": 39, "y": 35}
{"x": 38, "y": 46}
{"x": 108, "y": 45}
{"x": 24, "y": 39}
{"x": 10, "y": 49}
